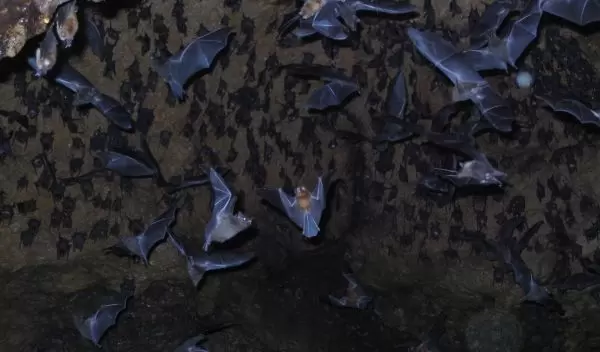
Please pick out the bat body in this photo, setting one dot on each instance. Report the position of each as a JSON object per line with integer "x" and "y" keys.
{"x": 580, "y": 12}
{"x": 67, "y": 23}
{"x": 304, "y": 208}
{"x": 196, "y": 56}
{"x": 501, "y": 51}
{"x": 94, "y": 34}
{"x": 492, "y": 18}
{"x": 86, "y": 93}
{"x": 94, "y": 327}
{"x": 199, "y": 265}
{"x": 191, "y": 345}
{"x": 469, "y": 85}
{"x": 580, "y": 111}
{"x": 45, "y": 54}
{"x": 396, "y": 99}
{"x": 224, "y": 224}
{"x": 334, "y": 19}
{"x": 355, "y": 297}
{"x": 127, "y": 164}
{"x": 436, "y": 184}
{"x": 334, "y": 93}
{"x": 142, "y": 244}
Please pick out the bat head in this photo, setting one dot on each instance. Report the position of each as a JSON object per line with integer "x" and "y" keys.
{"x": 310, "y": 8}
{"x": 43, "y": 63}
{"x": 243, "y": 221}
{"x": 303, "y": 197}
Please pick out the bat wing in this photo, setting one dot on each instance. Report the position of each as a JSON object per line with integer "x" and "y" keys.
{"x": 483, "y": 60}
{"x": 332, "y": 94}
{"x": 105, "y": 318}
{"x": 389, "y": 8}
{"x": 178, "y": 245}
{"x": 94, "y": 34}
{"x": 580, "y": 111}
{"x": 223, "y": 260}
{"x": 523, "y": 32}
{"x": 493, "y": 108}
{"x": 327, "y": 24}
{"x": 492, "y": 18}
{"x": 197, "y": 55}
{"x": 113, "y": 111}
{"x": 454, "y": 141}
{"x": 222, "y": 196}
{"x": 304, "y": 29}
{"x": 126, "y": 164}
{"x": 396, "y": 99}
{"x": 154, "y": 233}
{"x": 273, "y": 197}
{"x": 581, "y": 12}
{"x": 69, "y": 77}
{"x": 444, "y": 56}
{"x": 190, "y": 345}
{"x": 318, "y": 200}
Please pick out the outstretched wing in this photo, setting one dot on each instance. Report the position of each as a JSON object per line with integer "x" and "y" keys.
{"x": 190, "y": 345}
{"x": 396, "y": 99}
{"x": 384, "y": 7}
{"x": 197, "y": 55}
{"x": 491, "y": 19}
{"x": 222, "y": 196}
{"x": 318, "y": 200}
{"x": 326, "y": 22}
{"x": 581, "y": 12}
{"x": 105, "y": 318}
{"x": 113, "y": 111}
{"x": 580, "y": 111}
{"x": 523, "y": 32}
{"x": 154, "y": 233}
{"x": 332, "y": 94}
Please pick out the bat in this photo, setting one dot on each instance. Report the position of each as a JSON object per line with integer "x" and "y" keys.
{"x": 580, "y": 111}
{"x": 395, "y": 130}
{"x": 86, "y": 93}
{"x": 142, "y": 244}
{"x": 199, "y": 265}
{"x": 578, "y": 12}
{"x": 127, "y": 164}
{"x": 224, "y": 224}
{"x": 67, "y": 23}
{"x": 492, "y": 18}
{"x": 396, "y": 99}
{"x": 95, "y": 326}
{"x": 469, "y": 85}
{"x": 334, "y": 19}
{"x": 94, "y": 34}
{"x": 355, "y": 297}
{"x": 45, "y": 54}
{"x": 196, "y": 56}
{"x": 191, "y": 345}
{"x": 333, "y": 93}
{"x": 304, "y": 208}
{"x": 435, "y": 184}
{"x": 501, "y": 51}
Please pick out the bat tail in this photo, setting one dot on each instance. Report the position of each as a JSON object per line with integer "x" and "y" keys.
{"x": 310, "y": 228}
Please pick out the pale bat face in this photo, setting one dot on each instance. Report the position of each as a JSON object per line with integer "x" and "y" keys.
{"x": 303, "y": 198}
{"x": 311, "y": 7}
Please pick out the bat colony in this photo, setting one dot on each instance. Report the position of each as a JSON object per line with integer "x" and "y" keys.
{"x": 304, "y": 207}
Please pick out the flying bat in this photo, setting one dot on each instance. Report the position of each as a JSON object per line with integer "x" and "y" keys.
{"x": 333, "y": 93}
{"x": 490, "y": 21}
{"x": 580, "y": 111}
{"x": 45, "y": 54}
{"x": 355, "y": 297}
{"x": 304, "y": 208}
{"x": 396, "y": 99}
{"x": 95, "y": 326}
{"x": 142, "y": 244}
{"x": 435, "y": 184}
{"x": 199, "y": 265}
{"x": 501, "y": 51}
{"x": 86, "y": 93}
{"x": 468, "y": 84}
{"x": 579, "y": 12}
{"x": 191, "y": 345}
{"x": 334, "y": 19}
{"x": 224, "y": 224}
{"x": 196, "y": 56}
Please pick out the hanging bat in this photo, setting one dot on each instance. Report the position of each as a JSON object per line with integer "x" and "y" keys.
{"x": 86, "y": 93}
{"x": 323, "y": 16}
{"x": 196, "y": 56}
{"x": 491, "y": 19}
{"x": 468, "y": 84}
{"x": 509, "y": 49}
{"x": 333, "y": 93}
{"x": 304, "y": 208}
{"x": 199, "y": 265}
{"x": 396, "y": 98}
{"x": 355, "y": 297}
{"x": 142, "y": 244}
{"x": 94, "y": 34}
{"x": 46, "y": 54}
{"x": 580, "y": 13}
{"x": 224, "y": 224}
{"x": 67, "y": 23}
{"x": 191, "y": 345}
{"x": 95, "y": 326}
{"x": 580, "y": 111}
